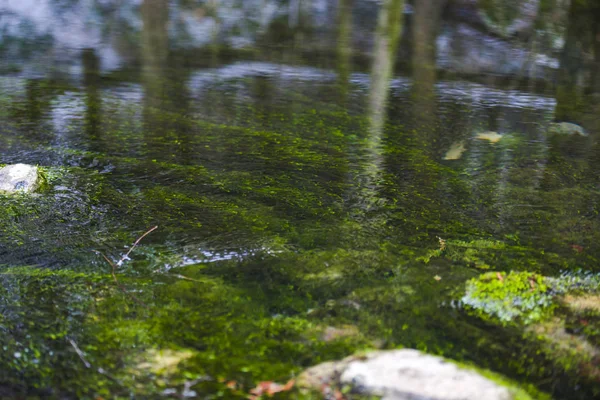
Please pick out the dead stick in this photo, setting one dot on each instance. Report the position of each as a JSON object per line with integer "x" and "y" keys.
{"x": 114, "y": 267}
{"x": 185, "y": 277}
{"x": 79, "y": 353}
{"x": 135, "y": 244}
{"x": 123, "y": 289}
{"x": 87, "y": 364}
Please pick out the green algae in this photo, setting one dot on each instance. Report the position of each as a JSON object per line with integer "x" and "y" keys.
{"x": 524, "y": 297}
{"x": 519, "y": 391}
{"x": 268, "y": 235}
{"x": 557, "y": 316}
{"x": 516, "y": 296}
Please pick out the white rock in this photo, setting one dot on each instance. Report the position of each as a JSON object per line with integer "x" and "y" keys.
{"x": 410, "y": 374}
{"x": 405, "y": 375}
{"x": 19, "y": 178}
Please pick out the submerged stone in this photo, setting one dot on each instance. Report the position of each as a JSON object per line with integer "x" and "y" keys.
{"x": 332, "y": 333}
{"x": 560, "y": 315}
{"x": 516, "y": 296}
{"x": 493, "y": 137}
{"x": 406, "y": 374}
{"x": 163, "y": 362}
{"x": 455, "y": 151}
{"x": 19, "y": 178}
{"x": 572, "y": 352}
{"x": 566, "y": 128}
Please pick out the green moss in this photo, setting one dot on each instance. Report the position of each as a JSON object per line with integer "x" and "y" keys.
{"x": 519, "y": 391}
{"x": 516, "y": 296}
{"x": 274, "y": 223}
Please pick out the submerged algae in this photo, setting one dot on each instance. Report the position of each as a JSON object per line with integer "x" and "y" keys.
{"x": 554, "y": 315}
{"x": 525, "y": 297}
{"x": 509, "y": 297}
{"x": 315, "y": 244}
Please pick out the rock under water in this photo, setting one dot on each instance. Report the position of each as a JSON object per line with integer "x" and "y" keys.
{"x": 566, "y": 128}
{"x": 19, "y": 178}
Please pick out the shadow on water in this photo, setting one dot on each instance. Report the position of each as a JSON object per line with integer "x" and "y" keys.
{"x": 303, "y": 161}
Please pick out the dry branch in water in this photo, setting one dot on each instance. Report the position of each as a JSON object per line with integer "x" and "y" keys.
{"x": 126, "y": 256}
{"x": 122, "y": 260}
{"x": 79, "y": 353}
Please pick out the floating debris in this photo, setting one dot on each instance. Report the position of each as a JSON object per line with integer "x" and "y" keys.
{"x": 566, "y": 128}
{"x": 492, "y": 137}
{"x": 456, "y": 150}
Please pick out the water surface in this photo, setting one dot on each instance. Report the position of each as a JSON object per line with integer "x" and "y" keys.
{"x": 287, "y": 198}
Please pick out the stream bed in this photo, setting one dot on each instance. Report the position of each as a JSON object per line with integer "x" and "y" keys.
{"x": 290, "y": 230}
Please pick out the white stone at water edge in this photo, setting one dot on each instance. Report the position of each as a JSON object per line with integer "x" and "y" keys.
{"x": 19, "y": 178}
{"x": 405, "y": 374}
{"x": 410, "y": 374}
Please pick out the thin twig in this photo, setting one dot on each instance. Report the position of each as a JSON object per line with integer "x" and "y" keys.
{"x": 185, "y": 277}
{"x": 126, "y": 256}
{"x": 123, "y": 289}
{"x": 120, "y": 262}
{"x": 88, "y": 365}
{"x": 79, "y": 353}
{"x": 111, "y": 265}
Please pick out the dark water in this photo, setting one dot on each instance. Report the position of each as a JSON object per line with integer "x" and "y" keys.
{"x": 293, "y": 189}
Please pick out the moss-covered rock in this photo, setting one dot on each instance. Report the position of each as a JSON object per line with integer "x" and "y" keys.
{"x": 559, "y": 315}
{"x": 407, "y": 373}
{"x": 522, "y": 296}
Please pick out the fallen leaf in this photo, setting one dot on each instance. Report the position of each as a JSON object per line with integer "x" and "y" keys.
{"x": 577, "y": 248}
{"x": 289, "y": 385}
{"x": 270, "y": 388}
{"x": 231, "y": 384}
{"x": 261, "y": 388}
{"x": 499, "y": 275}
{"x": 437, "y": 278}
{"x": 455, "y": 151}
{"x": 532, "y": 284}
{"x": 442, "y": 243}
{"x": 492, "y": 137}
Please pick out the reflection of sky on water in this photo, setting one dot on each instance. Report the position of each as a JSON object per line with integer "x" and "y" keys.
{"x": 202, "y": 256}
{"x": 112, "y": 28}
{"x": 452, "y": 91}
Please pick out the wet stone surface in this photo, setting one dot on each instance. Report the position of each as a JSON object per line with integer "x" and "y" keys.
{"x": 405, "y": 374}
{"x": 19, "y": 178}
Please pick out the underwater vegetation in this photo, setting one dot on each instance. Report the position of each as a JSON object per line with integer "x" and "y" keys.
{"x": 288, "y": 236}
{"x": 559, "y": 315}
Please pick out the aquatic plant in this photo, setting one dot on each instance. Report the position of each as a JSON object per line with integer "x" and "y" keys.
{"x": 524, "y": 296}
{"x": 516, "y": 296}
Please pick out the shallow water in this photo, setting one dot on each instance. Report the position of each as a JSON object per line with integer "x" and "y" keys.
{"x": 281, "y": 208}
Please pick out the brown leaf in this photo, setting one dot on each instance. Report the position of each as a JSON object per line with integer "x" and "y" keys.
{"x": 231, "y": 384}
{"x": 270, "y": 388}
{"x": 289, "y": 385}
{"x": 499, "y": 275}
{"x": 577, "y": 248}
{"x": 261, "y": 388}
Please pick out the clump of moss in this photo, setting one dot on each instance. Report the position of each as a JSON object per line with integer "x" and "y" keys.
{"x": 480, "y": 253}
{"x": 524, "y": 296}
{"x": 575, "y": 282}
{"x": 516, "y": 296}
